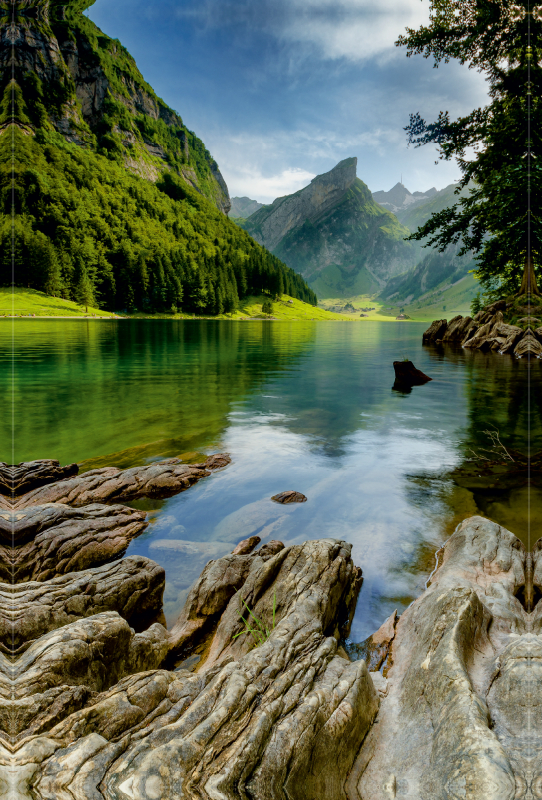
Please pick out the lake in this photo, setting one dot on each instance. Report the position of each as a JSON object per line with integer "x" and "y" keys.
{"x": 304, "y": 406}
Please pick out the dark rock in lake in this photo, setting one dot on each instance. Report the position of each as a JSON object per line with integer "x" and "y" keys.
{"x": 289, "y": 497}
{"x": 406, "y": 375}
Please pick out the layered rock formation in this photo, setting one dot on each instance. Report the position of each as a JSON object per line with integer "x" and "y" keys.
{"x": 97, "y": 698}
{"x": 459, "y": 713}
{"x": 334, "y": 234}
{"x": 488, "y": 331}
{"x": 251, "y": 694}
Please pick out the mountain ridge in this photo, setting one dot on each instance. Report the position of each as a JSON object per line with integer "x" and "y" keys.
{"x": 334, "y": 234}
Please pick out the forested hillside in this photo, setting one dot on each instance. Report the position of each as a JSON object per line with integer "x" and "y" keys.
{"x": 116, "y": 201}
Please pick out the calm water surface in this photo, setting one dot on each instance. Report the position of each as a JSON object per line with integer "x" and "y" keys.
{"x": 305, "y": 406}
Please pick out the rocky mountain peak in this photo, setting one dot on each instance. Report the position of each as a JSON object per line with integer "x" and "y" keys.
{"x": 270, "y": 224}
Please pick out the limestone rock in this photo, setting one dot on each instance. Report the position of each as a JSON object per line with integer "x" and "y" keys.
{"x": 132, "y": 587}
{"x": 49, "y": 540}
{"x": 452, "y": 656}
{"x": 112, "y": 485}
{"x": 458, "y": 329}
{"x": 21, "y": 478}
{"x": 435, "y": 331}
{"x": 287, "y": 716}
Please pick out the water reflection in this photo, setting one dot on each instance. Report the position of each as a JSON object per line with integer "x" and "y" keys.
{"x": 304, "y": 406}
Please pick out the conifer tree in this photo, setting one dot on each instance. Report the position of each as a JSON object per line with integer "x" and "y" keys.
{"x": 500, "y": 218}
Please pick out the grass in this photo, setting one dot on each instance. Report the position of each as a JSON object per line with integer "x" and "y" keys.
{"x": 441, "y": 302}
{"x": 25, "y": 302}
{"x": 261, "y": 633}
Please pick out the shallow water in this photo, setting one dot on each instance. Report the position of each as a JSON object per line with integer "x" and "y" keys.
{"x": 304, "y": 406}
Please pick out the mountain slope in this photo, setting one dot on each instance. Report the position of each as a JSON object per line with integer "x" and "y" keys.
{"x": 116, "y": 201}
{"x": 243, "y": 207}
{"x": 435, "y": 272}
{"x": 334, "y": 234}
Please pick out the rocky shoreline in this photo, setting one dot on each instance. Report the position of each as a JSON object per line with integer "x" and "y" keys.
{"x": 488, "y": 331}
{"x": 100, "y": 701}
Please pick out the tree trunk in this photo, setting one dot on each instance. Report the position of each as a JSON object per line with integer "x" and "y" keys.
{"x": 528, "y": 282}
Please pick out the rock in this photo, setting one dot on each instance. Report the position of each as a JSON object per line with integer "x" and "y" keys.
{"x": 538, "y": 334}
{"x": 217, "y": 461}
{"x": 49, "y": 540}
{"x": 528, "y": 346}
{"x": 112, "y": 485}
{"x": 20, "y": 478}
{"x": 290, "y": 713}
{"x": 375, "y": 650}
{"x": 289, "y": 497}
{"x": 132, "y": 587}
{"x": 406, "y": 374}
{"x": 65, "y": 666}
{"x": 452, "y": 656}
{"x": 458, "y": 328}
{"x": 246, "y": 546}
{"x": 435, "y": 331}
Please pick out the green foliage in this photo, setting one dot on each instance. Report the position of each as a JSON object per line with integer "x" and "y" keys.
{"x": 500, "y": 218}
{"x": 267, "y": 307}
{"x": 87, "y": 229}
{"x": 261, "y": 632}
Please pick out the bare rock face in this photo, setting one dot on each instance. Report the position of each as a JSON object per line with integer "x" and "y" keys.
{"x": 48, "y": 540}
{"x": 453, "y": 718}
{"x": 132, "y": 587}
{"x": 86, "y": 705}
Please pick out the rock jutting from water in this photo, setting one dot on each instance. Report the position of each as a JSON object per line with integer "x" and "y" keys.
{"x": 251, "y": 693}
{"x": 487, "y": 331}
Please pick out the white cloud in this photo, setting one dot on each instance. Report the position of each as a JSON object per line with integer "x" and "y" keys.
{"x": 354, "y": 29}
{"x": 250, "y": 182}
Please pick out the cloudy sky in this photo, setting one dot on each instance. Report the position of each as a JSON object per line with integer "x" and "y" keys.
{"x": 282, "y": 90}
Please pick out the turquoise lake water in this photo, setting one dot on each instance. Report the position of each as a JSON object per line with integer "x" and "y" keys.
{"x": 304, "y": 406}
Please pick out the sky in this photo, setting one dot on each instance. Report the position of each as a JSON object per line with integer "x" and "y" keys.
{"x": 282, "y": 90}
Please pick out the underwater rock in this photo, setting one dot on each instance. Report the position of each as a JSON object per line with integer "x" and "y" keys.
{"x": 289, "y": 496}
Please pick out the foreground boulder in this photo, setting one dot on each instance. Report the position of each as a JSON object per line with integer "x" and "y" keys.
{"x": 456, "y": 687}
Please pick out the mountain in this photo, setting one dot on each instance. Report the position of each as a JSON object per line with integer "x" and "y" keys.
{"x": 399, "y": 199}
{"x": 243, "y": 207}
{"x": 116, "y": 200}
{"x": 333, "y": 233}
{"x": 435, "y": 272}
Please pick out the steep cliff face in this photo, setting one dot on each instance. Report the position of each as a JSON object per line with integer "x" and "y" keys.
{"x": 70, "y": 77}
{"x": 335, "y": 234}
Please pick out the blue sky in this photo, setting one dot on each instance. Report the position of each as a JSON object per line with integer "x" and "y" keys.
{"x": 282, "y": 90}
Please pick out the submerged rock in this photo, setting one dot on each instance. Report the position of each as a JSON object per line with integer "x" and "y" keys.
{"x": 289, "y": 497}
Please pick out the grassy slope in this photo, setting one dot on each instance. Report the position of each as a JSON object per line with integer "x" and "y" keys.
{"x": 456, "y": 299}
{"x": 28, "y": 301}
